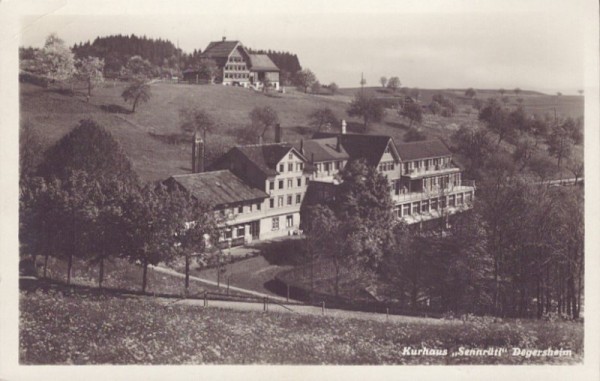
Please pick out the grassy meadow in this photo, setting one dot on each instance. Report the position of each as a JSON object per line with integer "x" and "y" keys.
{"x": 76, "y": 329}
{"x": 146, "y": 134}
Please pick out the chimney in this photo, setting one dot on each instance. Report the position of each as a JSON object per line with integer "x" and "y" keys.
{"x": 343, "y": 126}
{"x": 223, "y": 38}
{"x": 277, "y": 133}
{"x": 337, "y": 144}
{"x": 197, "y": 154}
{"x": 302, "y": 146}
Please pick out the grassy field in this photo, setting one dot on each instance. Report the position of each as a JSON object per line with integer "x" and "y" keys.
{"x": 58, "y": 329}
{"x": 145, "y": 134}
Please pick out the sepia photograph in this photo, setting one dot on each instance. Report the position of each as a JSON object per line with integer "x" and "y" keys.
{"x": 288, "y": 183}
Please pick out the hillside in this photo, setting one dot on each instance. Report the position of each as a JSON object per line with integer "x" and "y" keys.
{"x": 62, "y": 328}
{"x": 152, "y": 139}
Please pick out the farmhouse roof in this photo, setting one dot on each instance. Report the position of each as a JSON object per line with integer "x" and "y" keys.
{"x": 262, "y": 62}
{"x": 422, "y": 150}
{"x": 360, "y": 146}
{"x": 324, "y": 149}
{"x": 266, "y": 156}
{"x": 219, "y": 49}
{"x": 218, "y": 187}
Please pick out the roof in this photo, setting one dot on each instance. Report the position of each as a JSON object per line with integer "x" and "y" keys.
{"x": 219, "y": 187}
{"x": 262, "y": 62}
{"x": 266, "y": 156}
{"x": 323, "y": 149}
{"x": 219, "y": 49}
{"x": 360, "y": 146}
{"x": 422, "y": 150}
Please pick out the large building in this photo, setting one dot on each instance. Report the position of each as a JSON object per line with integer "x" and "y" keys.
{"x": 238, "y": 67}
{"x": 260, "y": 188}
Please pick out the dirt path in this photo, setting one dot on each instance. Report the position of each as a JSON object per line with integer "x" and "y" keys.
{"x": 282, "y": 307}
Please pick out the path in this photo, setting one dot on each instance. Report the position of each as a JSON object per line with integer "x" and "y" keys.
{"x": 289, "y": 308}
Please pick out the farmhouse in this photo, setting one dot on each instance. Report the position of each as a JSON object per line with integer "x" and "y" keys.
{"x": 260, "y": 188}
{"x": 238, "y": 67}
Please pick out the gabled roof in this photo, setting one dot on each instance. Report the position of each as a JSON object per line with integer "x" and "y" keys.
{"x": 218, "y": 187}
{"x": 324, "y": 149}
{"x": 360, "y": 146}
{"x": 219, "y": 49}
{"x": 266, "y": 156}
{"x": 262, "y": 62}
{"x": 425, "y": 149}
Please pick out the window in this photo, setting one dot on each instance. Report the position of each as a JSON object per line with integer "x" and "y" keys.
{"x": 271, "y": 203}
{"x": 337, "y": 165}
{"x": 291, "y": 167}
{"x": 327, "y": 167}
{"x": 281, "y": 168}
{"x": 298, "y": 198}
{"x": 275, "y": 223}
{"x": 469, "y": 196}
{"x": 280, "y": 201}
{"x": 299, "y": 166}
{"x": 228, "y": 233}
{"x": 240, "y": 209}
{"x": 299, "y": 181}
{"x": 249, "y": 207}
{"x": 241, "y": 231}
{"x": 406, "y": 210}
{"x": 280, "y": 184}
{"x": 306, "y": 182}
{"x": 271, "y": 185}
{"x": 290, "y": 183}
{"x": 290, "y": 156}
{"x": 415, "y": 208}
{"x": 289, "y": 221}
{"x": 443, "y": 202}
{"x": 451, "y": 200}
{"x": 289, "y": 200}
{"x": 459, "y": 199}
{"x": 258, "y": 205}
{"x": 425, "y": 206}
{"x": 434, "y": 204}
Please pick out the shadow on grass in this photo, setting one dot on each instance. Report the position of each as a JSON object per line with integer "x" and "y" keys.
{"x": 115, "y": 109}
{"x": 303, "y": 130}
{"x": 356, "y": 127}
{"x": 398, "y": 125}
{"x": 283, "y": 253}
{"x": 176, "y": 138}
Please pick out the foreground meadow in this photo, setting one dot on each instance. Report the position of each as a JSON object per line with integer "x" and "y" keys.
{"x": 60, "y": 329}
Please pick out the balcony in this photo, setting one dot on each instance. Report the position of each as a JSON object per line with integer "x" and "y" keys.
{"x": 466, "y": 186}
{"x": 433, "y": 214}
{"x": 417, "y": 173}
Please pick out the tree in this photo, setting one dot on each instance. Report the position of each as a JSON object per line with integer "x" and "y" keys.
{"x": 333, "y": 87}
{"x": 562, "y": 137}
{"x": 55, "y": 60}
{"x": 367, "y": 107}
{"x": 502, "y": 92}
{"x": 90, "y": 148}
{"x": 323, "y": 117}
{"x": 208, "y": 69}
{"x": 383, "y": 81}
{"x": 138, "y": 69}
{"x": 394, "y": 83}
{"x": 89, "y": 70}
{"x": 442, "y": 105}
{"x": 315, "y": 88}
{"x": 470, "y": 92}
{"x": 150, "y": 235}
{"x": 263, "y": 118}
{"x": 305, "y": 78}
{"x": 137, "y": 91}
{"x": 496, "y": 119}
{"x": 194, "y": 119}
{"x": 413, "y": 112}
{"x": 31, "y": 149}
{"x": 266, "y": 84}
{"x": 476, "y": 146}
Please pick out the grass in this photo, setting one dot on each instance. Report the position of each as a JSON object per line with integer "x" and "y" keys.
{"x": 121, "y": 275}
{"x": 59, "y": 329}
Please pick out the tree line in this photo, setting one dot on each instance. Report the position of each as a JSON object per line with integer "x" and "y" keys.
{"x": 80, "y": 198}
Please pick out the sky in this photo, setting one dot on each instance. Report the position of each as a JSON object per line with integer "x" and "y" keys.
{"x": 531, "y": 44}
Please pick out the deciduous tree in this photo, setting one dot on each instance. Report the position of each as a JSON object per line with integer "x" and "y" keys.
{"x": 263, "y": 118}
{"x": 137, "y": 91}
{"x": 323, "y": 118}
{"x": 305, "y": 78}
{"x": 394, "y": 84}
{"x": 366, "y": 107}
{"x": 89, "y": 70}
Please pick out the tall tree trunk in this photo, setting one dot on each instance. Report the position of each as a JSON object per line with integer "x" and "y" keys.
{"x": 145, "y": 275}
{"x": 101, "y": 273}
{"x": 337, "y": 277}
{"x": 46, "y": 256}
{"x": 69, "y": 268}
{"x": 187, "y": 274}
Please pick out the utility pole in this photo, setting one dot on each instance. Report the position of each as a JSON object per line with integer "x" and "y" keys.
{"x": 363, "y": 81}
